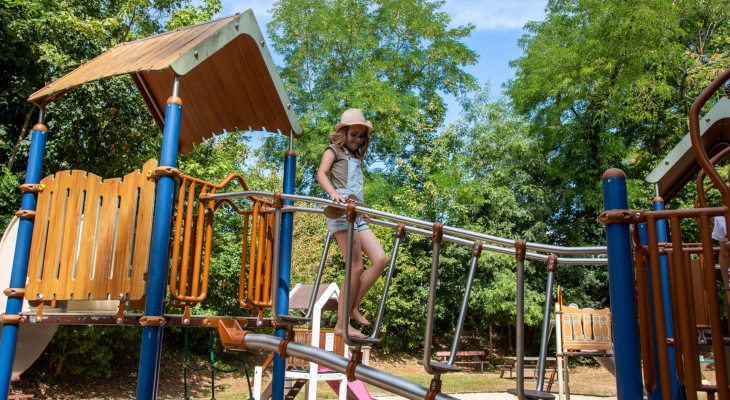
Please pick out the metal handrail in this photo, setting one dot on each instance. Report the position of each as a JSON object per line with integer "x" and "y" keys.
{"x": 425, "y": 224}
{"x": 338, "y": 363}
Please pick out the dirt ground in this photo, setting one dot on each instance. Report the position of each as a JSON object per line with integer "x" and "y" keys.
{"x": 584, "y": 380}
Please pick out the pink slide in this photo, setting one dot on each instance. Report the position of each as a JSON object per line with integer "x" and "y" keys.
{"x": 356, "y": 390}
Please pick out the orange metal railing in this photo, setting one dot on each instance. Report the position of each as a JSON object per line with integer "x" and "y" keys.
{"x": 192, "y": 241}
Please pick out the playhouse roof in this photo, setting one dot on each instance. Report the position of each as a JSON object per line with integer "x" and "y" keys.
{"x": 228, "y": 79}
{"x": 301, "y": 294}
{"x": 680, "y": 166}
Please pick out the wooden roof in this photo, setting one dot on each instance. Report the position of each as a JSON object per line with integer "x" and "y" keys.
{"x": 680, "y": 166}
{"x": 228, "y": 79}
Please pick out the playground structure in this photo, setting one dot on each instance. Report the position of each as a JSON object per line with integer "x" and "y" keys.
{"x": 225, "y": 74}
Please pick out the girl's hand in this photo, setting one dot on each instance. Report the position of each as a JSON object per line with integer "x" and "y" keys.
{"x": 366, "y": 217}
{"x": 337, "y": 198}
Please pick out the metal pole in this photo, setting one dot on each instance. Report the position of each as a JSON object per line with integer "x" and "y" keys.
{"x": 22, "y": 254}
{"x": 520, "y": 329}
{"x": 661, "y": 227}
{"x": 461, "y": 232}
{"x": 622, "y": 291}
{"x": 400, "y": 232}
{"x": 552, "y": 266}
{"x": 430, "y": 315}
{"x": 559, "y": 346}
{"x": 655, "y": 394}
{"x": 149, "y": 359}
{"x": 318, "y": 279}
{"x": 284, "y": 278}
{"x": 476, "y": 253}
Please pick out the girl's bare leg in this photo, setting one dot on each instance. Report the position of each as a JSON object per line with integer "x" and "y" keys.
{"x": 357, "y": 270}
{"x": 378, "y": 260}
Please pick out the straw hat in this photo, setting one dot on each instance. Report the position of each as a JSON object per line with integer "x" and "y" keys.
{"x": 353, "y": 116}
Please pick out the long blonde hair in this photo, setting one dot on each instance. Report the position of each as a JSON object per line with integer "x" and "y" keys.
{"x": 339, "y": 137}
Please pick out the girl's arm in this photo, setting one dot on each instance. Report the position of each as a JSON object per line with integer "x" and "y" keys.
{"x": 328, "y": 158}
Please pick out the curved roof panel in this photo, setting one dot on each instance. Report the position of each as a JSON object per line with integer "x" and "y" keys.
{"x": 228, "y": 79}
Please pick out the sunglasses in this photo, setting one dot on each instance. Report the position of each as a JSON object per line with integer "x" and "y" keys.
{"x": 354, "y": 135}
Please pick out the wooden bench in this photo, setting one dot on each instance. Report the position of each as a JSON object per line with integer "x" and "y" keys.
{"x": 475, "y": 357}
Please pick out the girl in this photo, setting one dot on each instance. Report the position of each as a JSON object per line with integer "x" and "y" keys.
{"x": 340, "y": 175}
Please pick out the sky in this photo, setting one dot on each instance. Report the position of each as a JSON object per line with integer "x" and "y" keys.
{"x": 498, "y": 27}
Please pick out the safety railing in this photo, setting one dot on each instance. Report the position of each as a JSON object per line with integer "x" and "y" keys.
{"x": 650, "y": 295}
{"x": 192, "y": 239}
{"x": 437, "y": 233}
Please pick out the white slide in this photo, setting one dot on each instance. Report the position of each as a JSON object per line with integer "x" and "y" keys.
{"x": 32, "y": 338}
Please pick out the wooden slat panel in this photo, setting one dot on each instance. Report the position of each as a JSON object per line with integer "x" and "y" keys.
{"x": 40, "y": 231}
{"x": 106, "y": 231}
{"x": 586, "y": 329}
{"x": 96, "y": 244}
{"x": 69, "y": 235}
{"x": 54, "y": 242}
{"x": 87, "y": 248}
{"x": 123, "y": 241}
{"x": 145, "y": 218}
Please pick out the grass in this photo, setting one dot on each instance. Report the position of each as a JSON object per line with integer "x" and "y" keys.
{"x": 462, "y": 382}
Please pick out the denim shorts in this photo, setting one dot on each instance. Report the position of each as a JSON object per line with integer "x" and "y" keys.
{"x": 340, "y": 224}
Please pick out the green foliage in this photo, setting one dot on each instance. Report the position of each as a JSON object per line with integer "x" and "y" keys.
{"x": 103, "y": 127}
{"x": 600, "y": 85}
{"x": 609, "y": 84}
{"x": 92, "y": 351}
{"x": 8, "y": 199}
{"x": 389, "y": 58}
{"x": 191, "y": 15}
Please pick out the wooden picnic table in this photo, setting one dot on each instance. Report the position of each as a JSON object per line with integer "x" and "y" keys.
{"x": 530, "y": 364}
{"x": 465, "y": 358}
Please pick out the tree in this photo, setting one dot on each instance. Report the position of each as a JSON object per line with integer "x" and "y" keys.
{"x": 609, "y": 84}
{"x": 390, "y": 58}
{"x": 103, "y": 127}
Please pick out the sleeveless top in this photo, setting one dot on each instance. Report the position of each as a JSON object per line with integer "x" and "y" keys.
{"x": 346, "y": 172}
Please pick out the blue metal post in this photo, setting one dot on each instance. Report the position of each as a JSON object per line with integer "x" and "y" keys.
{"x": 149, "y": 358}
{"x": 22, "y": 254}
{"x": 622, "y": 291}
{"x": 287, "y": 232}
{"x": 656, "y": 394}
{"x": 678, "y": 392}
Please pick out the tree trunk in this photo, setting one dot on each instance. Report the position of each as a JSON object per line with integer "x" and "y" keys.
{"x": 509, "y": 338}
{"x": 23, "y": 131}
{"x": 491, "y": 346}
{"x": 59, "y": 366}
